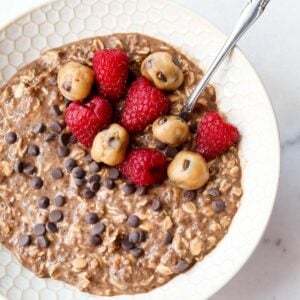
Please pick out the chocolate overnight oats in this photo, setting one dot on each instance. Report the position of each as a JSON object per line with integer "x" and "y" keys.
{"x": 103, "y": 183}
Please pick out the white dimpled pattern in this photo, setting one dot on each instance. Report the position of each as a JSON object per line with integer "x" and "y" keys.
{"x": 241, "y": 96}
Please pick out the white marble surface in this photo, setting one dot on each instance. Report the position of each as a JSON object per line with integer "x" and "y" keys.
{"x": 273, "y": 46}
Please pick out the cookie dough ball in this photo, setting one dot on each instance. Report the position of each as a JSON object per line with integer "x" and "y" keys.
{"x": 171, "y": 130}
{"x": 160, "y": 69}
{"x": 75, "y": 81}
{"x": 188, "y": 170}
{"x": 110, "y": 145}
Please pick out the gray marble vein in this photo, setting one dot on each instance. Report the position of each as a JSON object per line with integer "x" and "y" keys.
{"x": 295, "y": 141}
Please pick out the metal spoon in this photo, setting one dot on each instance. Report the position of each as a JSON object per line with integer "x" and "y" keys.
{"x": 251, "y": 12}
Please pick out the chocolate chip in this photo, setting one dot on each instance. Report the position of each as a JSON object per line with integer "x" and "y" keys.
{"x": 137, "y": 236}
{"x": 78, "y": 172}
{"x": 186, "y": 164}
{"x": 51, "y": 227}
{"x": 24, "y": 240}
{"x": 176, "y": 61}
{"x": 181, "y": 266}
{"x": 189, "y": 195}
{"x": 43, "y": 241}
{"x": 88, "y": 159}
{"x": 142, "y": 237}
{"x": 149, "y": 63}
{"x": 73, "y": 139}
{"x": 63, "y": 139}
{"x": 36, "y": 182}
{"x": 111, "y": 140}
{"x": 79, "y": 181}
{"x": 56, "y": 216}
{"x": 55, "y": 127}
{"x": 63, "y": 124}
{"x": 113, "y": 173}
{"x": 59, "y": 200}
{"x": 128, "y": 189}
{"x": 49, "y": 137}
{"x": 161, "y": 76}
{"x": 171, "y": 152}
{"x": 213, "y": 192}
{"x": 99, "y": 228}
{"x": 200, "y": 191}
{"x": 141, "y": 191}
{"x": 91, "y": 218}
{"x": 126, "y": 244}
{"x": 57, "y": 173}
{"x": 43, "y": 202}
{"x": 162, "y": 120}
{"x": 11, "y": 138}
{"x": 134, "y": 236}
{"x": 55, "y": 110}
{"x": 95, "y": 167}
{"x": 70, "y": 164}
{"x": 133, "y": 221}
{"x": 95, "y": 186}
{"x": 87, "y": 193}
{"x": 136, "y": 252}
{"x": 186, "y": 116}
{"x": 168, "y": 238}
{"x": 53, "y": 80}
{"x": 33, "y": 150}
{"x": 156, "y": 205}
{"x": 29, "y": 170}
{"x": 218, "y": 206}
{"x": 95, "y": 240}
{"x": 94, "y": 178}
{"x": 67, "y": 85}
{"x": 39, "y": 229}
{"x": 19, "y": 166}
{"x": 109, "y": 183}
{"x": 160, "y": 145}
{"x": 63, "y": 151}
{"x": 39, "y": 128}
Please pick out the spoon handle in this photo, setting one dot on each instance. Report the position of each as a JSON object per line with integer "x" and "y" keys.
{"x": 251, "y": 12}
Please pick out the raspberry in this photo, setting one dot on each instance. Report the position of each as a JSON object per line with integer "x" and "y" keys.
{"x": 85, "y": 120}
{"x": 143, "y": 105}
{"x": 144, "y": 167}
{"x": 214, "y": 135}
{"x": 111, "y": 71}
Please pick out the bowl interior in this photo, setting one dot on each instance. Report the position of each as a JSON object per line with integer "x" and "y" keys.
{"x": 241, "y": 97}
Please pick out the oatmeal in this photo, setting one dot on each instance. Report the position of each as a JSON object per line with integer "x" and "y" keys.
{"x": 69, "y": 212}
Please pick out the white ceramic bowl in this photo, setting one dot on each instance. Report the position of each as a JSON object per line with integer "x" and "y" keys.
{"x": 241, "y": 96}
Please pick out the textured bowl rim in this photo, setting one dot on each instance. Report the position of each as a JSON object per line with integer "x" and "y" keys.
{"x": 253, "y": 73}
